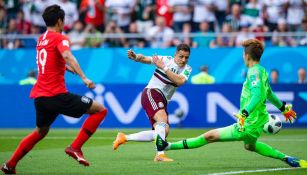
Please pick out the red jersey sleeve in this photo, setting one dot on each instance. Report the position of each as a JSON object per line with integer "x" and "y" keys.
{"x": 63, "y": 44}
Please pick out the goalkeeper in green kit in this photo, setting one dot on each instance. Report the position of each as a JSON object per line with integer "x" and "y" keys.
{"x": 251, "y": 117}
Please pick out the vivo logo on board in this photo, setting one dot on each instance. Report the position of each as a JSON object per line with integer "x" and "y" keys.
{"x": 107, "y": 98}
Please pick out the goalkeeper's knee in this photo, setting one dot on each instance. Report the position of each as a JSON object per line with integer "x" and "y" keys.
{"x": 212, "y": 136}
{"x": 250, "y": 147}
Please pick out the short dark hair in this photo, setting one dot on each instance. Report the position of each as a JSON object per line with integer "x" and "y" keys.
{"x": 275, "y": 70}
{"x": 254, "y": 48}
{"x": 204, "y": 68}
{"x": 183, "y": 47}
{"x": 52, "y": 14}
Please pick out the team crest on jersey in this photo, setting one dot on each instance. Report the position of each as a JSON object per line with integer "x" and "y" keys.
{"x": 254, "y": 83}
{"x": 186, "y": 73}
{"x": 65, "y": 43}
{"x": 85, "y": 99}
{"x": 161, "y": 105}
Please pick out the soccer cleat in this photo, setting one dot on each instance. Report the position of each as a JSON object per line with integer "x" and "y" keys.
{"x": 162, "y": 158}
{"x": 303, "y": 163}
{"x": 77, "y": 155}
{"x": 295, "y": 162}
{"x": 160, "y": 143}
{"x": 8, "y": 170}
{"x": 120, "y": 139}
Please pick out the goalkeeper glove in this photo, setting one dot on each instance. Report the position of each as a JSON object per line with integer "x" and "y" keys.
{"x": 241, "y": 118}
{"x": 288, "y": 112}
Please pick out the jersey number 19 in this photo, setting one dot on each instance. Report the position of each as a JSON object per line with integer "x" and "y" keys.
{"x": 41, "y": 59}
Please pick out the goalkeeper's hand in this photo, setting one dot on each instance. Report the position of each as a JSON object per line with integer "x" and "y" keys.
{"x": 288, "y": 112}
{"x": 241, "y": 118}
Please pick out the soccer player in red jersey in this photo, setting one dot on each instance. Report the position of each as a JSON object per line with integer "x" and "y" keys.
{"x": 50, "y": 95}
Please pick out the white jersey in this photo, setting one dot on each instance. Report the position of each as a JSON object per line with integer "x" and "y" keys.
{"x": 160, "y": 81}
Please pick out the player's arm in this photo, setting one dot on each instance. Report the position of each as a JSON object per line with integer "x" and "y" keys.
{"x": 255, "y": 100}
{"x": 255, "y": 84}
{"x": 274, "y": 99}
{"x": 178, "y": 79}
{"x": 255, "y": 89}
{"x": 69, "y": 69}
{"x": 286, "y": 110}
{"x": 73, "y": 66}
{"x": 139, "y": 57}
{"x": 175, "y": 78}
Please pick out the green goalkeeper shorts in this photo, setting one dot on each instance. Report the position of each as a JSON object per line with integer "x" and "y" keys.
{"x": 232, "y": 133}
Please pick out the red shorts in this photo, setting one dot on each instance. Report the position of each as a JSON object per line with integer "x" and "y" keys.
{"x": 152, "y": 101}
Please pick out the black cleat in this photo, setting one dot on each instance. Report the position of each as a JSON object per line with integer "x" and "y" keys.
{"x": 160, "y": 143}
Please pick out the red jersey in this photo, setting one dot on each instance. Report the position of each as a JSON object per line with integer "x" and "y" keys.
{"x": 51, "y": 65}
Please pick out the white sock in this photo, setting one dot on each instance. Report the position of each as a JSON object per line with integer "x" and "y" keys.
{"x": 143, "y": 136}
{"x": 160, "y": 130}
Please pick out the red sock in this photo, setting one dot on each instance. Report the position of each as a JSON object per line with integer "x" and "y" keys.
{"x": 88, "y": 128}
{"x": 24, "y": 147}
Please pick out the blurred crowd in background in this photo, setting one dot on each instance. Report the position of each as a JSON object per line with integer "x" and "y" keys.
{"x": 159, "y": 23}
{"x": 204, "y": 77}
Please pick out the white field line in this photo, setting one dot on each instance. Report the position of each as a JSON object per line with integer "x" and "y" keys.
{"x": 252, "y": 171}
{"x": 284, "y": 140}
{"x": 172, "y": 139}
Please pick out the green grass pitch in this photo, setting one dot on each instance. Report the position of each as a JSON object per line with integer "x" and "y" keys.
{"x": 48, "y": 156}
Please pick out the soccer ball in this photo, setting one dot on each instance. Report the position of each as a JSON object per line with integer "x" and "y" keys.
{"x": 273, "y": 126}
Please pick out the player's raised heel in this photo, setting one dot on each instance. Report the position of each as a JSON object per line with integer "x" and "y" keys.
{"x": 162, "y": 158}
{"x": 8, "y": 170}
{"x": 77, "y": 155}
{"x": 120, "y": 139}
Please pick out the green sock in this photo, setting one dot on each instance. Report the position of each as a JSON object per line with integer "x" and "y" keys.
{"x": 266, "y": 150}
{"x": 189, "y": 143}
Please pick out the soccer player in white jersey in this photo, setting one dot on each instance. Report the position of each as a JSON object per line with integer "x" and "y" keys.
{"x": 169, "y": 75}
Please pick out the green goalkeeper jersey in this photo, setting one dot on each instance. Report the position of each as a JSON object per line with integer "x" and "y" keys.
{"x": 256, "y": 89}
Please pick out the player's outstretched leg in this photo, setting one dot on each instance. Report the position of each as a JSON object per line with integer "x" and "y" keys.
{"x": 143, "y": 136}
{"x": 215, "y": 135}
{"x": 190, "y": 143}
{"x": 25, "y": 145}
{"x": 268, "y": 151}
{"x": 87, "y": 130}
